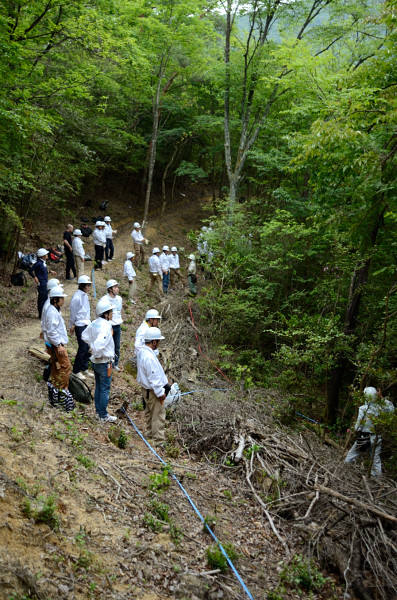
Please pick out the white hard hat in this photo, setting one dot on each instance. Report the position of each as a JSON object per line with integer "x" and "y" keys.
{"x": 84, "y": 279}
{"x": 51, "y": 283}
{"x": 57, "y": 292}
{"x": 77, "y": 232}
{"x": 153, "y": 333}
{"x": 103, "y": 306}
{"x": 107, "y": 219}
{"x": 130, "y": 254}
{"x": 103, "y": 223}
{"x": 98, "y": 224}
{"x": 136, "y": 225}
{"x": 370, "y": 391}
{"x": 191, "y": 257}
{"x": 41, "y": 252}
{"x": 111, "y": 283}
{"x": 166, "y": 248}
{"x": 155, "y": 250}
{"x": 152, "y": 313}
{"x": 174, "y": 249}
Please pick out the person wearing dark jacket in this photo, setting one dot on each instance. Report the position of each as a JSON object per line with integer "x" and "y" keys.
{"x": 40, "y": 274}
{"x": 67, "y": 244}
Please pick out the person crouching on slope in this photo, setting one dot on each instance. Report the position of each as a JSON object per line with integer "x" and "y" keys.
{"x": 56, "y": 338}
{"x": 154, "y": 385}
{"x": 99, "y": 336}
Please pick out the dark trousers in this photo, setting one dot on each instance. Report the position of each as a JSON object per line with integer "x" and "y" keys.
{"x": 116, "y": 339}
{"x": 98, "y": 257}
{"x": 42, "y": 297}
{"x": 109, "y": 251}
{"x": 69, "y": 263}
{"x": 83, "y": 353}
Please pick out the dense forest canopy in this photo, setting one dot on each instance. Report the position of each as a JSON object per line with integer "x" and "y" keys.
{"x": 285, "y": 111}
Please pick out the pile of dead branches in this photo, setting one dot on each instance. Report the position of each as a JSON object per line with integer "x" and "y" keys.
{"x": 304, "y": 489}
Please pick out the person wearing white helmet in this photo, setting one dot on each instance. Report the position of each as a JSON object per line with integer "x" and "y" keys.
{"x": 78, "y": 252}
{"x": 40, "y": 274}
{"x": 129, "y": 272}
{"x": 109, "y": 250}
{"x": 67, "y": 246}
{"x": 151, "y": 319}
{"x": 99, "y": 238}
{"x": 155, "y": 271}
{"x": 116, "y": 301}
{"x": 174, "y": 266}
{"x": 192, "y": 277}
{"x": 80, "y": 318}
{"x": 56, "y": 339}
{"x": 99, "y": 336}
{"x": 367, "y": 439}
{"x": 138, "y": 240}
{"x": 154, "y": 385}
{"x": 165, "y": 268}
{"x": 51, "y": 283}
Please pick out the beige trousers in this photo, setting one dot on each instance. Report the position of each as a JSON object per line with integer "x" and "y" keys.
{"x": 175, "y": 273}
{"x": 154, "y": 416}
{"x": 155, "y": 278}
{"x": 60, "y": 370}
{"x": 131, "y": 290}
{"x": 78, "y": 261}
{"x": 139, "y": 252}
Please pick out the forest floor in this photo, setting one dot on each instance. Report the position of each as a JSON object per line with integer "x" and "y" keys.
{"x": 82, "y": 518}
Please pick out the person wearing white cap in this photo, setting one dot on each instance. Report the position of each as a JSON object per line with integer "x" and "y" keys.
{"x": 154, "y": 385}
{"x": 165, "y": 267}
{"x": 67, "y": 246}
{"x": 139, "y": 240}
{"x": 129, "y": 272}
{"x": 99, "y": 337}
{"x": 192, "y": 277}
{"x": 155, "y": 271}
{"x": 78, "y": 252}
{"x": 116, "y": 301}
{"x": 174, "y": 266}
{"x": 99, "y": 238}
{"x": 56, "y": 339}
{"x": 40, "y": 274}
{"x": 80, "y": 318}
{"x": 367, "y": 439}
{"x": 109, "y": 250}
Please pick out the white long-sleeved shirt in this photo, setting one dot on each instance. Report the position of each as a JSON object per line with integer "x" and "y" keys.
{"x": 99, "y": 237}
{"x": 155, "y": 265}
{"x": 151, "y": 375}
{"x": 137, "y": 237}
{"x": 108, "y": 231}
{"x": 117, "y": 304}
{"x": 80, "y": 313}
{"x": 129, "y": 270}
{"x": 174, "y": 261}
{"x": 140, "y": 336}
{"x": 43, "y": 312}
{"x": 77, "y": 247}
{"x": 99, "y": 336}
{"x": 54, "y": 327}
{"x": 372, "y": 410}
{"x": 165, "y": 262}
{"x": 192, "y": 267}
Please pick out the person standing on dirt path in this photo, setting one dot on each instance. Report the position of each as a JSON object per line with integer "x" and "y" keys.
{"x": 139, "y": 240}
{"x": 165, "y": 268}
{"x": 129, "y": 272}
{"x": 116, "y": 301}
{"x": 154, "y": 385}
{"x": 155, "y": 271}
{"x": 99, "y": 337}
{"x": 39, "y": 272}
{"x": 109, "y": 250}
{"x": 67, "y": 245}
{"x": 50, "y": 284}
{"x": 174, "y": 267}
{"x": 367, "y": 439}
{"x": 78, "y": 252}
{"x": 99, "y": 237}
{"x": 192, "y": 277}
{"x": 56, "y": 339}
{"x": 80, "y": 318}
{"x": 152, "y": 319}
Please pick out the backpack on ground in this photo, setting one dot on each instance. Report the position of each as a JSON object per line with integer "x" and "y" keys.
{"x": 27, "y": 260}
{"x": 54, "y": 255}
{"x": 85, "y": 230}
{"x": 79, "y": 390}
{"x": 18, "y": 279}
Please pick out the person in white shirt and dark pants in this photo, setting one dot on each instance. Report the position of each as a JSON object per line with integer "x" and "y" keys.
{"x": 99, "y": 238}
{"x": 109, "y": 250}
{"x": 165, "y": 267}
{"x": 80, "y": 318}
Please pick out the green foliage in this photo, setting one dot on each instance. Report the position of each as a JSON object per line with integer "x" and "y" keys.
{"x": 85, "y": 461}
{"x": 42, "y": 510}
{"x": 160, "y": 509}
{"x": 159, "y": 481}
{"x": 209, "y": 521}
{"x": 217, "y": 560}
{"x": 152, "y": 523}
{"x": 118, "y": 437}
{"x": 301, "y": 572}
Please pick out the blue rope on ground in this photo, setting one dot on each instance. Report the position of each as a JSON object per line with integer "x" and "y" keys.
{"x": 308, "y": 418}
{"x": 196, "y": 510}
{"x": 93, "y": 282}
